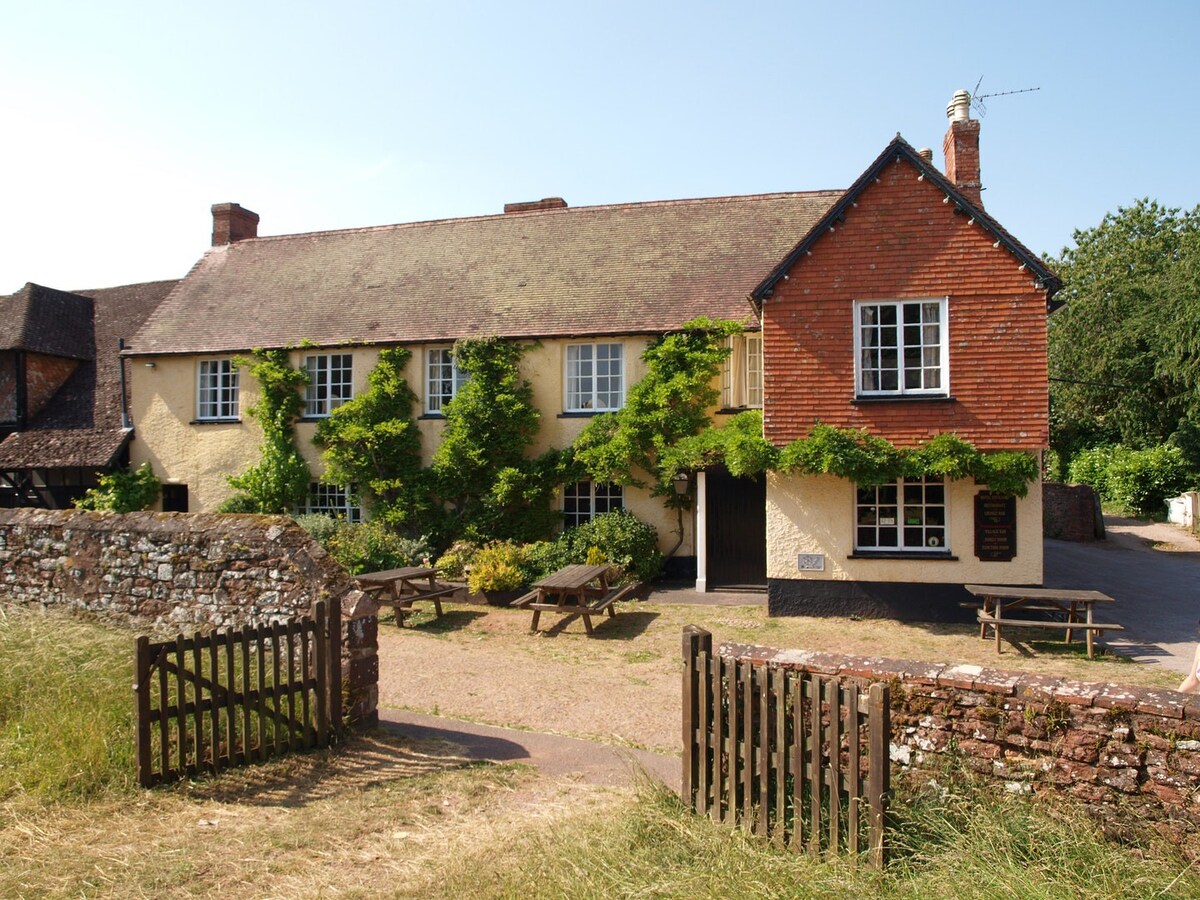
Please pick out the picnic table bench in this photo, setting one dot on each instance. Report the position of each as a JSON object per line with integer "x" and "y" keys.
{"x": 401, "y": 588}
{"x": 574, "y": 591}
{"x": 1002, "y": 606}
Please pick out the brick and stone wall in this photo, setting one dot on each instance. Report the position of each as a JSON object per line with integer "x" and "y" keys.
{"x": 1131, "y": 755}
{"x": 1071, "y": 512}
{"x": 180, "y": 572}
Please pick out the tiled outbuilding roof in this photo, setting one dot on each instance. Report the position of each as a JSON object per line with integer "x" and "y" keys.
{"x": 39, "y": 319}
{"x": 81, "y": 425}
{"x": 624, "y": 269}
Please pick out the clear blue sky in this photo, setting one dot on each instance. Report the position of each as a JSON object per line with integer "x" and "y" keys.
{"x": 124, "y": 122}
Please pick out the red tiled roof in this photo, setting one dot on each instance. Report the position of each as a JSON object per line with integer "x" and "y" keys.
{"x": 625, "y": 269}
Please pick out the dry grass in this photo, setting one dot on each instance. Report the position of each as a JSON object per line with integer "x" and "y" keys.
{"x": 622, "y": 686}
{"x": 382, "y": 816}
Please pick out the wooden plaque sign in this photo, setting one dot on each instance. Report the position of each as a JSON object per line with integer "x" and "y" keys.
{"x": 995, "y": 526}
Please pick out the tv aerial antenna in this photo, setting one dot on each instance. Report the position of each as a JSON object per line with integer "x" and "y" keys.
{"x": 977, "y": 98}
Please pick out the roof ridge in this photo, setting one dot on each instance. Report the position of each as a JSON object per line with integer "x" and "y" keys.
{"x": 364, "y": 229}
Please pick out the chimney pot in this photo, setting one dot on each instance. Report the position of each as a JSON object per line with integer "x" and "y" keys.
{"x": 961, "y": 147}
{"x": 926, "y": 154}
{"x": 533, "y": 205}
{"x": 232, "y": 223}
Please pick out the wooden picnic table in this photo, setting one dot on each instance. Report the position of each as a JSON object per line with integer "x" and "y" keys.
{"x": 574, "y": 591}
{"x": 1004, "y": 606}
{"x": 401, "y": 588}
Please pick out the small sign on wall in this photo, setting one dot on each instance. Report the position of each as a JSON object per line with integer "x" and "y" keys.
{"x": 995, "y": 526}
{"x": 811, "y": 562}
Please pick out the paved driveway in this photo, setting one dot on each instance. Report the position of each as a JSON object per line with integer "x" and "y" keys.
{"x": 1153, "y": 572}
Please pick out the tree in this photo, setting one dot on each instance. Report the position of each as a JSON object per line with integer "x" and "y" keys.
{"x": 487, "y": 487}
{"x": 1124, "y": 351}
{"x": 372, "y": 443}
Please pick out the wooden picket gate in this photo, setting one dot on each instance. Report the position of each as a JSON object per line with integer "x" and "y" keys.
{"x": 801, "y": 759}
{"x": 231, "y": 698}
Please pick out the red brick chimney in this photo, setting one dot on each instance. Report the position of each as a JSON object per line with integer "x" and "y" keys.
{"x": 532, "y": 205}
{"x": 961, "y": 147}
{"x": 232, "y": 223}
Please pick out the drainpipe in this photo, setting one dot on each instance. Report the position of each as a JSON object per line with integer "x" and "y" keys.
{"x": 126, "y": 422}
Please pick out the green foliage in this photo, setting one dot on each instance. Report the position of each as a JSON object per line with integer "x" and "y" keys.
{"x": 497, "y": 567}
{"x": 238, "y": 503}
{"x": 320, "y": 527}
{"x": 66, "y": 713}
{"x": 623, "y": 539}
{"x": 669, "y": 404}
{"x": 1125, "y": 350}
{"x": 867, "y": 459}
{"x": 123, "y": 491}
{"x": 847, "y": 453}
{"x": 454, "y": 562}
{"x": 1139, "y": 481}
{"x": 372, "y": 442}
{"x": 487, "y": 488}
{"x": 365, "y": 546}
{"x": 739, "y": 446}
{"x": 279, "y": 481}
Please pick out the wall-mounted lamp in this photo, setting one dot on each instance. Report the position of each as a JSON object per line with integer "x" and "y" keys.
{"x": 680, "y": 483}
{"x": 151, "y": 365}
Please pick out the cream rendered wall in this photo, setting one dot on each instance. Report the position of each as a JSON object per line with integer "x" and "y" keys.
{"x": 201, "y": 455}
{"x": 816, "y": 515}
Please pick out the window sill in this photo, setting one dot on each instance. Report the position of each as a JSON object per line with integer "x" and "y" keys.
{"x": 904, "y": 398}
{"x": 734, "y": 410}
{"x": 215, "y": 422}
{"x": 313, "y": 418}
{"x": 904, "y": 554}
{"x": 438, "y": 417}
{"x": 584, "y": 413}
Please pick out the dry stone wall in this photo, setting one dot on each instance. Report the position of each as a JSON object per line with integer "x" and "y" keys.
{"x": 1131, "y": 755}
{"x": 184, "y": 572}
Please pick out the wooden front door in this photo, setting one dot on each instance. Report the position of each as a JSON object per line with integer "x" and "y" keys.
{"x": 736, "y": 529}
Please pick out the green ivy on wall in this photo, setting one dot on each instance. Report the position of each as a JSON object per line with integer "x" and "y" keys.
{"x": 372, "y": 442}
{"x": 279, "y": 481}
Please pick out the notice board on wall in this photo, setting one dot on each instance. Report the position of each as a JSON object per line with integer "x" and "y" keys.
{"x": 995, "y": 526}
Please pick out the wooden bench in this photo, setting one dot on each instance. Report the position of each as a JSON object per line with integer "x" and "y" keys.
{"x": 401, "y": 588}
{"x": 577, "y": 591}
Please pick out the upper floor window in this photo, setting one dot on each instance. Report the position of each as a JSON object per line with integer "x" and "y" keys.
{"x": 907, "y": 515}
{"x": 217, "y": 390}
{"x": 595, "y": 377}
{"x": 332, "y": 500}
{"x": 742, "y": 375}
{"x": 330, "y": 384}
{"x": 443, "y": 378}
{"x": 584, "y": 500}
{"x": 900, "y": 347}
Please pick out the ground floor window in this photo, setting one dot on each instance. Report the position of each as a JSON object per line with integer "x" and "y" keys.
{"x": 584, "y": 500}
{"x": 332, "y": 500}
{"x": 907, "y": 515}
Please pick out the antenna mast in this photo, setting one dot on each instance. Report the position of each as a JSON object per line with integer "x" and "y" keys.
{"x": 977, "y": 98}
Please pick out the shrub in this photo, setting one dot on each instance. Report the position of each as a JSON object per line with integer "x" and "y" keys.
{"x": 454, "y": 562}
{"x": 238, "y": 503}
{"x": 622, "y": 538}
{"x": 497, "y": 567}
{"x": 1091, "y": 467}
{"x": 1142, "y": 480}
{"x": 545, "y": 557}
{"x": 1139, "y": 481}
{"x": 372, "y": 546}
{"x": 123, "y": 491}
{"x": 321, "y": 528}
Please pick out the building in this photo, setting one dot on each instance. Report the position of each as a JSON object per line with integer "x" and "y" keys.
{"x": 63, "y": 398}
{"x": 816, "y": 275}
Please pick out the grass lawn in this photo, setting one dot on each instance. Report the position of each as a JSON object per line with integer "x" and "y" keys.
{"x": 383, "y": 816}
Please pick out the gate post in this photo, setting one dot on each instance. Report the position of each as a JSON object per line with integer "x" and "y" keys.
{"x": 141, "y": 688}
{"x": 695, "y": 641}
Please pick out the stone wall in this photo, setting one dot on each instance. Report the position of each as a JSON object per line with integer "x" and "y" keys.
{"x": 1131, "y": 755}
{"x": 1071, "y": 512}
{"x": 180, "y": 572}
